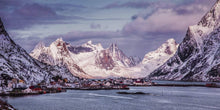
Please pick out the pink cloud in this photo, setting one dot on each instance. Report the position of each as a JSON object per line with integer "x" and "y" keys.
{"x": 167, "y": 20}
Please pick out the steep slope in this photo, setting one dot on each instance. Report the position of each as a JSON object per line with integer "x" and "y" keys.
{"x": 197, "y": 57}
{"x": 120, "y": 57}
{"x": 155, "y": 59}
{"x": 58, "y": 54}
{"x": 90, "y": 60}
{"x": 15, "y": 62}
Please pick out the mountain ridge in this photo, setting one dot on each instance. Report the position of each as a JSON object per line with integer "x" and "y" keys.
{"x": 197, "y": 53}
{"x": 15, "y": 62}
{"x": 98, "y": 62}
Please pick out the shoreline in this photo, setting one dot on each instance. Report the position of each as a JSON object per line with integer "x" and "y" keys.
{"x": 153, "y": 84}
{"x": 6, "y": 106}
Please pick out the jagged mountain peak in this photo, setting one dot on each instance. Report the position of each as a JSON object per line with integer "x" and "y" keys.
{"x": 89, "y": 42}
{"x": 59, "y": 44}
{"x": 113, "y": 46}
{"x": 60, "y": 39}
{"x": 212, "y": 18}
{"x": 17, "y": 63}
{"x": 40, "y": 45}
{"x": 197, "y": 57}
{"x": 209, "y": 22}
{"x": 2, "y": 28}
{"x": 5, "y": 40}
{"x": 169, "y": 47}
{"x": 114, "y": 49}
{"x": 3, "y": 33}
{"x": 171, "y": 41}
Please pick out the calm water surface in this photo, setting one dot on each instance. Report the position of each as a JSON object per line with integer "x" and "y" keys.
{"x": 161, "y": 98}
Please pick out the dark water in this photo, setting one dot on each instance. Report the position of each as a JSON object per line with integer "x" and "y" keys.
{"x": 161, "y": 98}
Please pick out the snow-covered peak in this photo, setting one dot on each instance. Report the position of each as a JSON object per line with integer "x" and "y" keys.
{"x": 114, "y": 49}
{"x": 171, "y": 41}
{"x": 167, "y": 49}
{"x": 197, "y": 58}
{"x": 40, "y": 45}
{"x": 59, "y": 39}
{"x": 16, "y": 63}
{"x": 59, "y": 43}
{"x": 206, "y": 25}
{"x": 37, "y": 50}
{"x": 89, "y": 42}
{"x": 94, "y": 47}
{"x": 212, "y": 18}
{"x": 113, "y": 46}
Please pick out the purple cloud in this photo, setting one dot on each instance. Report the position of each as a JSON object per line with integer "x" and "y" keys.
{"x": 8, "y": 4}
{"x": 30, "y": 14}
{"x": 80, "y": 35}
{"x": 35, "y": 10}
{"x": 139, "y": 4}
{"x": 95, "y": 26}
{"x": 166, "y": 20}
{"x": 74, "y": 36}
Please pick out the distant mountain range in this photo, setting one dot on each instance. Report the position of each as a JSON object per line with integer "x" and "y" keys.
{"x": 86, "y": 61}
{"x": 93, "y": 61}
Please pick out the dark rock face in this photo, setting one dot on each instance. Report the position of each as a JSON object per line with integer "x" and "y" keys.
{"x": 187, "y": 47}
{"x": 118, "y": 55}
{"x": 2, "y": 29}
{"x": 105, "y": 60}
{"x": 197, "y": 58}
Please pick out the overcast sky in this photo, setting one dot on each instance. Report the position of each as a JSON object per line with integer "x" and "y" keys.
{"x": 137, "y": 26}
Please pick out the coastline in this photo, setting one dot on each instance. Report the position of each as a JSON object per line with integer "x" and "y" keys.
{"x": 5, "y": 106}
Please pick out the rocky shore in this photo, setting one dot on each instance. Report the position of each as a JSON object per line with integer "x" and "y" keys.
{"x": 6, "y": 106}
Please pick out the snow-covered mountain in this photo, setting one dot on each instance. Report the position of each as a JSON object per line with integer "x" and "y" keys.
{"x": 88, "y": 60}
{"x": 15, "y": 62}
{"x": 96, "y": 62}
{"x": 58, "y": 53}
{"x": 155, "y": 59}
{"x": 198, "y": 56}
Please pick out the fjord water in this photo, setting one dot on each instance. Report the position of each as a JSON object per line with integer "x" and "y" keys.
{"x": 160, "y": 98}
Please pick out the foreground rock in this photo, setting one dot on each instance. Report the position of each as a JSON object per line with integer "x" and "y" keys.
{"x": 6, "y": 106}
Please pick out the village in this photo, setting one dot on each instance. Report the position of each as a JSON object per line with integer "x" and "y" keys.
{"x": 15, "y": 87}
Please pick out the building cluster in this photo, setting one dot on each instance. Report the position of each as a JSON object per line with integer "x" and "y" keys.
{"x": 112, "y": 82}
{"x": 57, "y": 84}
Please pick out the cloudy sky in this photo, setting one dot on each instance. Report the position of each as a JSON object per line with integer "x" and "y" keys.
{"x": 137, "y": 26}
